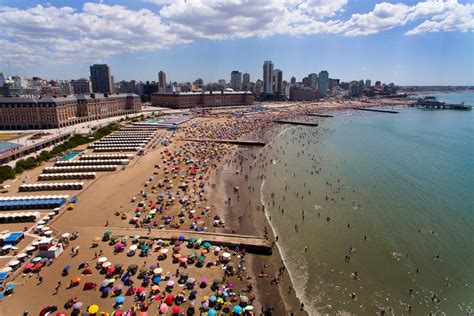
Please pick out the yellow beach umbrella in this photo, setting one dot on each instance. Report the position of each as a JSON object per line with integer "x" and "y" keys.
{"x": 93, "y": 309}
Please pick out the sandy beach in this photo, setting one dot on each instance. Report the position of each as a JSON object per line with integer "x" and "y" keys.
{"x": 182, "y": 185}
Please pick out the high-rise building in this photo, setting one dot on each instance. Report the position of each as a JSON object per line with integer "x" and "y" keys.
{"x": 368, "y": 83}
{"x": 323, "y": 83}
{"x": 313, "y": 80}
{"x": 162, "y": 81}
{"x": 81, "y": 86}
{"x": 236, "y": 80}
{"x": 101, "y": 78}
{"x": 267, "y": 77}
{"x": 246, "y": 81}
{"x": 293, "y": 80}
{"x": 221, "y": 82}
{"x": 277, "y": 79}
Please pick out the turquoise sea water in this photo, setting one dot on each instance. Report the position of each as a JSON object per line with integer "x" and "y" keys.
{"x": 405, "y": 182}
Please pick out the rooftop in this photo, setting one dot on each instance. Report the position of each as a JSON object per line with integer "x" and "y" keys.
{"x": 205, "y": 92}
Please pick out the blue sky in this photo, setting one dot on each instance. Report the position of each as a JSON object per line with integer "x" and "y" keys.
{"x": 409, "y": 42}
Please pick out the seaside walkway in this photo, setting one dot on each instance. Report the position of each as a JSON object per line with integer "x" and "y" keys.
{"x": 225, "y": 141}
{"x": 296, "y": 123}
{"x": 376, "y": 110}
{"x": 252, "y": 244}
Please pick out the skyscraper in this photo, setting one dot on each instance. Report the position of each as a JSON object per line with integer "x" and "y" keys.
{"x": 368, "y": 83}
{"x": 323, "y": 83}
{"x": 246, "y": 81}
{"x": 236, "y": 80}
{"x": 162, "y": 81}
{"x": 293, "y": 80}
{"x": 267, "y": 77}
{"x": 101, "y": 78}
{"x": 313, "y": 80}
{"x": 277, "y": 79}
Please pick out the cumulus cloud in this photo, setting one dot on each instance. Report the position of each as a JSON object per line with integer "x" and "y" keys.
{"x": 97, "y": 30}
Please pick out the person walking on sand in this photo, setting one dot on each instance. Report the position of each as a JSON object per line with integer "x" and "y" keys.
{"x": 56, "y": 288}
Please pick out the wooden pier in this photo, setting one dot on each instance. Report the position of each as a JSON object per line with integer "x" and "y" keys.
{"x": 252, "y": 244}
{"x": 319, "y": 115}
{"x": 376, "y": 110}
{"x": 226, "y": 141}
{"x": 295, "y": 123}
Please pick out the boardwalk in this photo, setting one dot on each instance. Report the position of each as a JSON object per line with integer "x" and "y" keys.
{"x": 252, "y": 244}
{"x": 226, "y": 141}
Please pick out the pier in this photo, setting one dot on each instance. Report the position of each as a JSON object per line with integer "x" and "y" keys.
{"x": 226, "y": 141}
{"x": 376, "y": 110}
{"x": 440, "y": 106}
{"x": 296, "y": 123}
{"x": 252, "y": 244}
{"x": 319, "y": 115}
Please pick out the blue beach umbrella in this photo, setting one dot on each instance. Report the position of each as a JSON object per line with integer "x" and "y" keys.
{"x": 156, "y": 280}
{"x": 212, "y": 312}
{"x": 37, "y": 259}
{"x": 120, "y": 300}
{"x": 237, "y": 309}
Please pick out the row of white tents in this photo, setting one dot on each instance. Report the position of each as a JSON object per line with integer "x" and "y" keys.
{"x": 34, "y": 197}
{"x": 51, "y": 186}
{"x": 106, "y": 156}
{"x": 92, "y": 162}
{"x": 67, "y": 176}
{"x": 87, "y": 168}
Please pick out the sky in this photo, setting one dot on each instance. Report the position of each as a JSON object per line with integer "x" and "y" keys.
{"x": 407, "y": 42}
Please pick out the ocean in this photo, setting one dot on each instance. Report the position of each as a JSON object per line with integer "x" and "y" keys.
{"x": 374, "y": 212}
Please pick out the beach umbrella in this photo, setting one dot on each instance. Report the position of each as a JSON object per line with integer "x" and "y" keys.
{"x": 176, "y": 309}
{"x": 201, "y": 258}
{"x": 164, "y": 251}
{"x": 169, "y": 300}
{"x": 212, "y": 312}
{"x": 212, "y": 298}
{"x": 204, "y": 280}
{"x": 163, "y": 308}
{"x": 155, "y": 287}
{"x": 118, "y": 313}
{"x": 249, "y": 307}
{"x": 207, "y": 245}
{"x": 37, "y": 259}
{"x": 170, "y": 283}
{"x": 93, "y": 309}
{"x": 106, "y": 264}
{"x": 104, "y": 283}
{"x": 77, "y": 305}
{"x": 132, "y": 267}
{"x": 156, "y": 280}
{"x": 143, "y": 270}
{"x": 153, "y": 267}
{"x": 191, "y": 280}
{"x": 29, "y": 266}
{"x": 244, "y": 299}
{"x": 118, "y": 266}
{"x": 61, "y": 314}
{"x": 102, "y": 259}
{"x": 237, "y": 309}
{"x": 120, "y": 299}
{"x": 67, "y": 268}
{"x": 184, "y": 273}
{"x": 217, "y": 281}
{"x": 158, "y": 271}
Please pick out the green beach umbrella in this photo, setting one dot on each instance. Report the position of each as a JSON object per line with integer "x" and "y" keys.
{"x": 207, "y": 245}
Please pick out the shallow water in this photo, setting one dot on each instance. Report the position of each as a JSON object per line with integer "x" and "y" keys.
{"x": 404, "y": 181}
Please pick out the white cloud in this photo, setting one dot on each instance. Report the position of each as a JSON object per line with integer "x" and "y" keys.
{"x": 96, "y": 31}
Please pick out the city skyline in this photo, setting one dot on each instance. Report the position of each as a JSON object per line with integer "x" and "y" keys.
{"x": 424, "y": 43}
